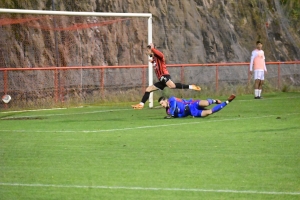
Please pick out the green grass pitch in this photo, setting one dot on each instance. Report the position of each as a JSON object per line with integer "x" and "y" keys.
{"x": 248, "y": 150}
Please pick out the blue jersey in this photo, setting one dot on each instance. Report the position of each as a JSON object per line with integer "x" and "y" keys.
{"x": 179, "y": 107}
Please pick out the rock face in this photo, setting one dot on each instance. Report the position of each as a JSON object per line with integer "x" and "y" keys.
{"x": 186, "y": 31}
{"x": 189, "y": 31}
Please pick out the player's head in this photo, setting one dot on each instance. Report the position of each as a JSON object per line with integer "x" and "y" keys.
{"x": 258, "y": 44}
{"x": 149, "y": 49}
{"x": 163, "y": 101}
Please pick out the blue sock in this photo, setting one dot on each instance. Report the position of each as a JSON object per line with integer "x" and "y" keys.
{"x": 210, "y": 101}
{"x": 218, "y": 107}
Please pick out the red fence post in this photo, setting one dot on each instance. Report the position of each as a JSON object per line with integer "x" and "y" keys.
{"x": 62, "y": 85}
{"x": 5, "y": 84}
{"x": 5, "y": 81}
{"x": 102, "y": 81}
{"x": 249, "y": 77}
{"x": 217, "y": 77}
{"x": 278, "y": 82}
{"x": 143, "y": 79}
{"x": 182, "y": 74}
{"x": 56, "y": 86}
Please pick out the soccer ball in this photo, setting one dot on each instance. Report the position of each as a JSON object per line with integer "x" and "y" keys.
{"x": 6, "y": 98}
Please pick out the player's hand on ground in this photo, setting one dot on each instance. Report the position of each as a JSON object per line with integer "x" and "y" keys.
{"x": 168, "y": 117}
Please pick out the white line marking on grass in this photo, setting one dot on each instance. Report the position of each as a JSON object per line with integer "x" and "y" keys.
{"x": 150, "y": 188}
{"x": 141, "y": 127}
{"x": 266, "y": 98}
{"x": 64, "y": 114}
{"x": 18, "y": 111}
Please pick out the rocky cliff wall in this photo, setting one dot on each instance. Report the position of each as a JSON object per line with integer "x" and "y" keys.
{"x": 188, "y": 31}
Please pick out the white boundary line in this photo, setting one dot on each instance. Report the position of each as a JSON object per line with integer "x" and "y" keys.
{"x": 142, "y": 127}
{"x": 150, "y": 188}
{"x": 62, "y": 114}
{"x": 267, "y": 99}
{"x": 19, "y": 111}
{"x": 154, "y": 189}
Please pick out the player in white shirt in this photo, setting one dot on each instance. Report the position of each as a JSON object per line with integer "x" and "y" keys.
{"x": 258, "y": 65}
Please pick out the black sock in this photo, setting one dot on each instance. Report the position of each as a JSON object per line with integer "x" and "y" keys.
{"x": 181, "y": 86}
{"x": 145, "y": 97}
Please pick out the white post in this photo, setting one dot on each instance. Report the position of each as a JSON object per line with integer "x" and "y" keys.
{"x": 150, "y": 67}
{"x": 51, "y": 12}
{"x": 48, "y": 12}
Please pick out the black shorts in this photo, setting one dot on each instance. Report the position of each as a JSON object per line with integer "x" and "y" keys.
{"x": 162, "y": 82}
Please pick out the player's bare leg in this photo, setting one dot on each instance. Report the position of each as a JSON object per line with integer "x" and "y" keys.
{"x": 140, "y": 105}
{"x": 261, "y": 82}
{"x": 171, "y": 84}
{"x": 218, "y": 107}
{"x": 256, "y": 88}
{"x": 206, "y": 113}
{"x": 204, "y": 103}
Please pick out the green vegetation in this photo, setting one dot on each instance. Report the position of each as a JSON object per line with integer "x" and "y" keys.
{"x": 292, "y": 8}
{"x": 249, "y": 150}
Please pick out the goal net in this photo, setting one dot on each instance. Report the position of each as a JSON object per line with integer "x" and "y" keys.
{"x": 50, "y": 57}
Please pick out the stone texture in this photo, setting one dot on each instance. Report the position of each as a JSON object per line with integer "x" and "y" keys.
{"x": 186, "y": 31}
{"x": 190, "y": 31}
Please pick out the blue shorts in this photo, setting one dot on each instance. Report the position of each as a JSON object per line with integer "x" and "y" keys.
{"x": 195, "y": 109}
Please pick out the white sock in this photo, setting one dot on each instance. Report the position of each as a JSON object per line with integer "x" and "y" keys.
{"x": 190, "y": 87}
{"x": 256, "y": 92}
{"x": 259, "y": 93}
{"x": 142, "y": 103}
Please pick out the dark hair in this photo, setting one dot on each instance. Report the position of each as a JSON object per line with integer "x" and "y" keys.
{"x": 149, "y": 46}
{"x": 258, "y": 42}
{"x": 161, "y": 98}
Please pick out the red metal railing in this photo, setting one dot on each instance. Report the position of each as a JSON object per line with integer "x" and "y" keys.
{"x": 217, "y": 65}
{"x": 58, "y": 88}
{"x": 56, "y": 70}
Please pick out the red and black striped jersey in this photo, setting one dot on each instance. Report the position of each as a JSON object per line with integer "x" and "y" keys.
{"x": 159, "y": 63}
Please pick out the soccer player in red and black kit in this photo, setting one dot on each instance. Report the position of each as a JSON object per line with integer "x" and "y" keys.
{"x": 164, "y": 78}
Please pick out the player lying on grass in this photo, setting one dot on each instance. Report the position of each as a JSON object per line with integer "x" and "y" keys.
{"x": 163, "y": 76}
{"x": 178, "y": 108}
